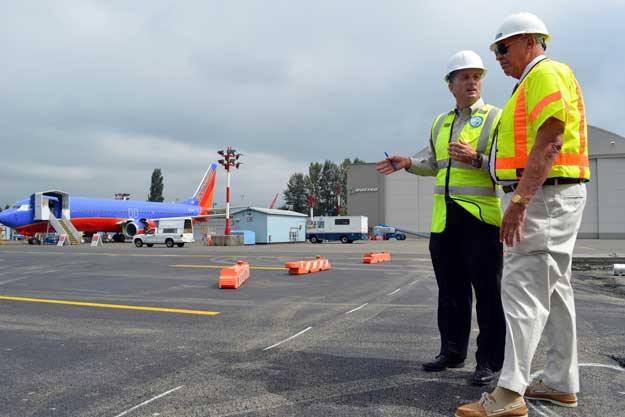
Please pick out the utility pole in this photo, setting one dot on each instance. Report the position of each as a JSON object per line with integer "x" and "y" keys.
{"x": 230, "y": 159}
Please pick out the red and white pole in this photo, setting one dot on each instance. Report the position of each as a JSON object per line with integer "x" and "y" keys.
{"x": 227, "y": 231}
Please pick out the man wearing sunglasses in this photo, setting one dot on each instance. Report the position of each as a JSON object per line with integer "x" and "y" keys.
{"x": 464, "y": 243}
{"x": 541, "y": 159}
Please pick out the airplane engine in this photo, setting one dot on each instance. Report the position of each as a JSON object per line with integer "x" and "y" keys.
{"x": 131, "y": 228}
{"x": 138, "y": 227}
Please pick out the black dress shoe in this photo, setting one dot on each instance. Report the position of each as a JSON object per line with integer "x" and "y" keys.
{"x": 483, "y": 375}
{"x": 441, "y": 363}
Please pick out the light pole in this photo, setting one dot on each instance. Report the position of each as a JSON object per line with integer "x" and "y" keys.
{"x": 230, "y": 159}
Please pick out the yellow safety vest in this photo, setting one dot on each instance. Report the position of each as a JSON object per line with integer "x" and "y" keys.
{"x": 549, "y": 90}
{"x": 470, "y": 187}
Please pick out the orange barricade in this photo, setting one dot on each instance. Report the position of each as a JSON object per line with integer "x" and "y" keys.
{"x": 307, "y": 267}
{"x": 234, "y": 276}
{"x": 376, "y": 257}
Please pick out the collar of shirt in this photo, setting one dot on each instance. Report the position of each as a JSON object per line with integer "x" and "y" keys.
{"x": 531, "y": 65}
{"x": 475, "y": 106}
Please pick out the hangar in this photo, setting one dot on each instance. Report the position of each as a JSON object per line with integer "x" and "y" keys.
{"x": 404, "y": 200}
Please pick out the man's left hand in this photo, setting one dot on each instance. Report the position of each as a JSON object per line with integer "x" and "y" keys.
{"x": 461, "y": 151}
{"x": 511, "y": 231}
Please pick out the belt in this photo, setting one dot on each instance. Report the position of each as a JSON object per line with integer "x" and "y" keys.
{"x": 549, "y": 181}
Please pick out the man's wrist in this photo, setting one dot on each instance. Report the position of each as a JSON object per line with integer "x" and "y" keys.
{"x": 518, "y": 199}
{"x": 477, "y": 160}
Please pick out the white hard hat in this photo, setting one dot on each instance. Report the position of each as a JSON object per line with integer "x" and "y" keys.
{"x": 464, "y": 60}
{"x": 520, "y": 24}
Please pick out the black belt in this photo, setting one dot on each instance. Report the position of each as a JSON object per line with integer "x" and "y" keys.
{"x": 549, "y": 181}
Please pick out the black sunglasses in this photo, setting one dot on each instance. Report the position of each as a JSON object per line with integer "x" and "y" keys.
{"x": 501, "y": 48}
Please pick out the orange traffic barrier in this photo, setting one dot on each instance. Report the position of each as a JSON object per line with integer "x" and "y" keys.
{"x": 307, "y": 267}
{"x": 376, "y": 257}
{"x": 234, "y": 276}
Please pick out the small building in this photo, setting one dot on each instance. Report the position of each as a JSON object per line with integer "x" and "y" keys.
{"x": 271, "y": 225}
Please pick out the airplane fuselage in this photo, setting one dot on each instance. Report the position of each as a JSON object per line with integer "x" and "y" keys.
{"x": 91, "y": 215}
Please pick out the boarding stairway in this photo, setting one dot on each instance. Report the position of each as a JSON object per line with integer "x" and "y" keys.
{"x": 65, "y": 226}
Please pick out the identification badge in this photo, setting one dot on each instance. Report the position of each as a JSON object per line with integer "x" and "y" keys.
{"x": 476, "y": 121}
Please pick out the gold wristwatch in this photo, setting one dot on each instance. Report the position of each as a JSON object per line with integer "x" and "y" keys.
{"x": 520, "y": 200}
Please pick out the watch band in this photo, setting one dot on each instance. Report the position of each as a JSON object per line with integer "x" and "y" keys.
{"x": 477, "y": 161}
{"x": 516, "y": 198}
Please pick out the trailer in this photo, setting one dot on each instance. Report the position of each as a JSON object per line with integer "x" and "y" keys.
{"x": 346, "y": 229}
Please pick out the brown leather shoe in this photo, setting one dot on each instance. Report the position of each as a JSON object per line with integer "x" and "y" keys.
{"x": 487, "y": 407}
{"x": 540, "y": 391}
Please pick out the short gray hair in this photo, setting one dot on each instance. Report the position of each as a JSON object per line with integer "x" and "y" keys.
{"x": 540, "y": 39}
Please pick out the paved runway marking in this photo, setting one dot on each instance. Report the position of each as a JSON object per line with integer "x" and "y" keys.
{"x": 271, "y": 268}
{"x": 533, "y": 407}
{"x": 118, "y": 306}
{"x": 413, "y": 282}
{"x": 357, "y": 308}
{"x": 395, "y": 292}
{"x": 149, "y": 401}
{"x": 287, "y": 339}
{"x": 8, "y": 281}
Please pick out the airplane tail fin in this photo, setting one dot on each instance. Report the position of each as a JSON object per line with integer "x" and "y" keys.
{"x": 273, "y": 202}
{"x": 203, "y": 196}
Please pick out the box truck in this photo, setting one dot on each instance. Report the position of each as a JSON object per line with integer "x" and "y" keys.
{"x": 343, "y": 228}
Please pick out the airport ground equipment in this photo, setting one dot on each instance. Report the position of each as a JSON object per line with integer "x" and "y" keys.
{"x": 346, "y": 229}
{"x": 234, "y": 276}
{"x": 376, "y": 257}
{"x": 169, "y": 232}
{"x": 308, "y": 266}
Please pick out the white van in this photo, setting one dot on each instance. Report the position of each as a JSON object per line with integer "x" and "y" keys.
{"x": 169, "y": 232}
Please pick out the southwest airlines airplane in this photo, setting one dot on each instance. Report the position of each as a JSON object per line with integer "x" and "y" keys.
{"x": 123, "y": 217}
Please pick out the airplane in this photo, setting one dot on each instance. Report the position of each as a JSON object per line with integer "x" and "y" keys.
{"x": 125, "y": 218}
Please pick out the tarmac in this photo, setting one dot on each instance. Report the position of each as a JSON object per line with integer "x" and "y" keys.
{"x": 123, "y": 331}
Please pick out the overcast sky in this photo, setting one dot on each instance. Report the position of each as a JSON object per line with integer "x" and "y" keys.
{"x": 96, "y": 94}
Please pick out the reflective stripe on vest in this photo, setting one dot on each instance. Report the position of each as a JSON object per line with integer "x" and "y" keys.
{"x": 444, "y": 163}
{"x": 459, "y": 190}
{"x": 517, "y": 133}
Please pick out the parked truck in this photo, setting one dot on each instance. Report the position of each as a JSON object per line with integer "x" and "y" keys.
{"x": 169, "y": 232}
{"x": 347, "y": 229}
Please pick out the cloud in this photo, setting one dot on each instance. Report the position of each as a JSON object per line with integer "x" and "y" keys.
{"x": 97, "y": 94}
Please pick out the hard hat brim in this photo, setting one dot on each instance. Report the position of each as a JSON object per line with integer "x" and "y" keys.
{"x": 484, "y": 70}
{"x": 521, "y": 32}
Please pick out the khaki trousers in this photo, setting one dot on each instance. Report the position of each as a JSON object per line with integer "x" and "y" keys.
{"x": 536, "y": 290}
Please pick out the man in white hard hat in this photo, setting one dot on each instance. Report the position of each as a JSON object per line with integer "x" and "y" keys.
{"x": 542, "y": 162}
{"x": 464, "y": 242}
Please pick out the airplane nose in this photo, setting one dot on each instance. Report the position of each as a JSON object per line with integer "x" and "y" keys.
{"x": 5, "y": 218}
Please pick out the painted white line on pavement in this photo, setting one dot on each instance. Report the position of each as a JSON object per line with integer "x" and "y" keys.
{"x": 395, "y": 292}
{"x": 286, "y": 340}
{"x": 589, "y": 365}
{"x": 8, "y": 281}
{"x": 413, "y": 282}
{"x": 149, "y": 401}
{"x": 357, "y": 308}
{"x": 533, "y": 407}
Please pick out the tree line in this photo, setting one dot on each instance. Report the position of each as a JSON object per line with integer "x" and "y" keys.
{"x": 325, "y": 186}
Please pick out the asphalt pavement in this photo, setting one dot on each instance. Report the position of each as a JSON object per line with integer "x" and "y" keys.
{"x": 91, "y": 332}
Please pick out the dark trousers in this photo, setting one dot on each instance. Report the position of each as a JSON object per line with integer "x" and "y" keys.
{"x": 468, "y": 253}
